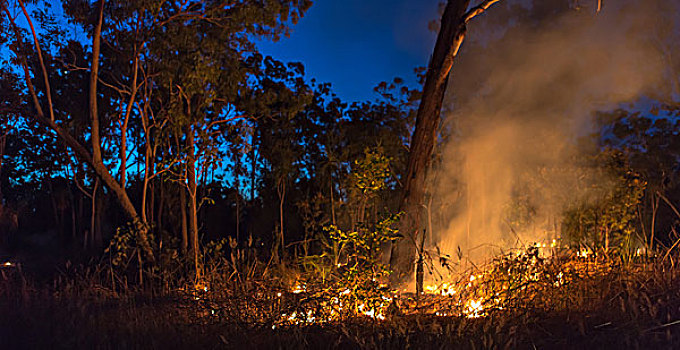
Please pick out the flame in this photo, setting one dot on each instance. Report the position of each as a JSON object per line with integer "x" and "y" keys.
{"x": 444, "y": 289}
{"x": 299, "y": 288}
{"x": 584, "y": 253}
{"x": 472, "y": 295}
{"x": 473, "y": 309}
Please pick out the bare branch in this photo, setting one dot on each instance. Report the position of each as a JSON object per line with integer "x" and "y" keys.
{"x": 478, "y": 10}
{"x": 79, "y": 186}
{"x": 94, "y": 73}
{"x": 121, "y": 91}
{"x": 222, "y": 121}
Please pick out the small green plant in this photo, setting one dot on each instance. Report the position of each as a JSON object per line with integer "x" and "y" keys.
{"x": 121, "y": 246}
{"x": 349, "y": 271}
{"x": 349, "y": 274}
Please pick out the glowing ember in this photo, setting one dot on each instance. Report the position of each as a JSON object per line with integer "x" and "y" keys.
{"x": 584, "y": 253}
{"x": 445, "y": 289}
{"x": 473, "y": 309}
{"x": 299, "y": 288}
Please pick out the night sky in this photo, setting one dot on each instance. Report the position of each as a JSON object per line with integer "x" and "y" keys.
{"x": 356, "y": 44}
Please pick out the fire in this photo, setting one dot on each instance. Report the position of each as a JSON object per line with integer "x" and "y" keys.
{"x": 471, "y": 294}
{"x": 584, "y": 253}
{"x": 299, "y": 288}
{"x": 444, "y": 289}
{"x": 473, "y": 308}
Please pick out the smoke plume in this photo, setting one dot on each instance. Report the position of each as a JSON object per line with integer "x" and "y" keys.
{"x": 523, "y": 92}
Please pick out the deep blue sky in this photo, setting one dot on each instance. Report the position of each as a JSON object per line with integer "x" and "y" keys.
{"x": 356, "y": 44}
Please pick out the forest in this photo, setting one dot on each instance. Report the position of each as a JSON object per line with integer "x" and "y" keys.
{"x": 163, "y": 183}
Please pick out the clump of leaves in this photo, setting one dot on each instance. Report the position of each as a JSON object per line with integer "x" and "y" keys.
{"x": 121, "y": 246}
{"x": 609, "y": 223}
{"x": 371, "y": 172}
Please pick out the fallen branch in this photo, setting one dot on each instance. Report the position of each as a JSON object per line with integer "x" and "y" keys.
{"x": 662, "y": 326}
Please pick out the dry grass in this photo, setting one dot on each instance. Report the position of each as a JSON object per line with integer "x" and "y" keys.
{"x": 600, "y": 303}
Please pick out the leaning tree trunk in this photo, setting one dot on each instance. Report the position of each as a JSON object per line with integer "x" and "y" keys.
{"x": 100, "y": 169}
{"x": 451, "y": 35}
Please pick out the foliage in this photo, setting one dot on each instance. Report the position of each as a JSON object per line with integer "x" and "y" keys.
{"x": 350, "y": 269}
{"x": 349, "y": 273}
{"x": 120, "y": 246}
{"x": 648, "y": 141}
{"x": 371, "y": 172}
{"x": 610, "y": 221}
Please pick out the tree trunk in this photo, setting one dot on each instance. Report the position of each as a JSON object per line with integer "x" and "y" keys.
{"x": 93, "y": 215}
{"x": 55, "y": 209}
{"x": 148, "y": 160}
{"x": 78, "y": 215}
{"x": 94, "y": 76}
{"x": 332, "y": 199}
{"x": 238, "y": 211}
{"x": 193, "y": 210}
{"x": 126, "y": 118}
{"x": 97, "y": 230}
{"x": 152, "y": 202}
{"x": 281, "y": 189}
{"x": 450, "y": 38}
{"x": 652, "y": 229}
{"x": 183, "y": 214}
{"x": 253, "y": 165}
{"x": 74, "y": 211}
{"x": 3, "y": 140}
{"x": 161, "y": 206}
{"x": 250, "y": 220}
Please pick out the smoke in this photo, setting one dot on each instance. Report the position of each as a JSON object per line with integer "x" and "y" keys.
{"x": 524, "y": 92}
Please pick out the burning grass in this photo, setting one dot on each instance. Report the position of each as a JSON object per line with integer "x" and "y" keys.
{"x": 526, "y": 299}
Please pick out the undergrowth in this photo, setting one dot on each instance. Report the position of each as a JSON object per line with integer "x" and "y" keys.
{"x": 523, "y": 300}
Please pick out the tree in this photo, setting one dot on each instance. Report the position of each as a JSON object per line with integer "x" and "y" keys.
{"x": 451, "y": 35}
{"x": 132, "y": 44}
{"x": 92, "y": 159}
{"x": 650, "y": 143}
{"x": 275, "y": 101}
{"x": 11, "y": 108}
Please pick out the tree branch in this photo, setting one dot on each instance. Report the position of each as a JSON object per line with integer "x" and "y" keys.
{"x": 478, "y": 10}
{"x": 48, "y": 92}
{"x": 24, "y": 63}
{"x": 94, "y": 116}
